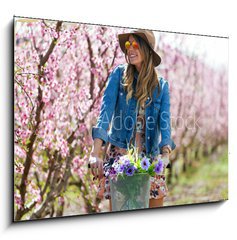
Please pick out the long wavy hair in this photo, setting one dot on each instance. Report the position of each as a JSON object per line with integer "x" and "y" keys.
{"x": 147, "y": 78}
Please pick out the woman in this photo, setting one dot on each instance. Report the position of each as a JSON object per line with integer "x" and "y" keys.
{"x": 137, "y": 105}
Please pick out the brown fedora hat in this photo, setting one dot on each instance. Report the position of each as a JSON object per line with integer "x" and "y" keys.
{"x": 147, "y": 35}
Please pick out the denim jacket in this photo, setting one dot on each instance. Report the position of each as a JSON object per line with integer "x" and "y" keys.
{"x": 122, "y": 116}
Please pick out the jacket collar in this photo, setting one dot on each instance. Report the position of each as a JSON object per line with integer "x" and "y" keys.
{"x": 136, "y": 74}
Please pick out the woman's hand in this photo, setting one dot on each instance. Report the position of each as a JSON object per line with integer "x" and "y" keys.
{"x": 166, "y": 150}
{"x": 166, "y": 158}
{"x": 96, "y": 166}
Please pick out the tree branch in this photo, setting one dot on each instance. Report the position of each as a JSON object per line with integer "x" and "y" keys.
{"x": 45, "y": 58}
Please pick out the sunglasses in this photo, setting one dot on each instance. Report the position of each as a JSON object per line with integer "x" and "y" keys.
{"x": 129, "y": 44}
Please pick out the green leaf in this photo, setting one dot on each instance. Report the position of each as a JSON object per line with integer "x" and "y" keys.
{"x": 27, "y": 141}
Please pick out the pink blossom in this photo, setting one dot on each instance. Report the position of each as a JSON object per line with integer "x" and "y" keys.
{"x": 63, "y": 146}
{"x": 19, "y": 151}
{"x": 19, "y": 168}
{"x": 18, "y": 201}
{"x": 46, "y": 94}
{"x": 61, "y": 200}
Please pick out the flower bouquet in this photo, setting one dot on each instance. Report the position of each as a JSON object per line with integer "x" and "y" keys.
{"x": 129, "y": 178}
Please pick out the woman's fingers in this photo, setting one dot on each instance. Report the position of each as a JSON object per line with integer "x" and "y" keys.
{"x": 96, "y": 166}
{"x": 96, "y": 173}
{"x": 93, "y": 169}
{"x": 100, "y": 169}
{"x": 92, "y": 161}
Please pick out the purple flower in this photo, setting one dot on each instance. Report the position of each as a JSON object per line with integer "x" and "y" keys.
{"x": 121, "y": 168}
{"x": 112, "y": 171}
{"x": 125, "y": 161}
{"x": 116, "y": 167}
{"x": 159, "y": 167}
{"x": 130, "y": 171}
{"x": 145, "y": 163}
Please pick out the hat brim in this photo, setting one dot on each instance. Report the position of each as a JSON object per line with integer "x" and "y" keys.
{"x": 123, "y": 37}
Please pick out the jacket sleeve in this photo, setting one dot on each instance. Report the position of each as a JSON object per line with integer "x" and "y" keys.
{"x": 107, "y": 106}
{"x": 164, "y": 119}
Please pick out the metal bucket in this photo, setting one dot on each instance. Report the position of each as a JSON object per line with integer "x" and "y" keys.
{"x": 130, "y": 192}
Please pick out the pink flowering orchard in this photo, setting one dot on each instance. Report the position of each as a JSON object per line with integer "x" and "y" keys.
{"x": 60, "y": 71}
{"x": 199, "y": 105}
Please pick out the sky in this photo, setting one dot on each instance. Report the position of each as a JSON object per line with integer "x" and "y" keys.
{"x": 212, "y": 50}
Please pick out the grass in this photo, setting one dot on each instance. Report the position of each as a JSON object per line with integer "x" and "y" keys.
{"x": 206, "y": 182}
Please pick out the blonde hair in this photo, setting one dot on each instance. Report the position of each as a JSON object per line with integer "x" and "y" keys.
{"x": 148, "y": 76}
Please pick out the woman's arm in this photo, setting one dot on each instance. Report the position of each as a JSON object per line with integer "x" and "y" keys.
{"x": 99, "y": 132}
{"x": 107, "y": 108}
{"x": 164, "y": 120}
